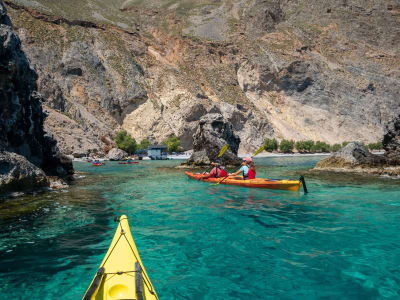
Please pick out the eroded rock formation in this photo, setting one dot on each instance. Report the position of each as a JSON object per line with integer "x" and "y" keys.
{"x": 21, "y": 120}
{"x": 212, "y": 134}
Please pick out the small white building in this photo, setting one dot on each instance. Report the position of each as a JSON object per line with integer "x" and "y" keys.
{"x": 157, "y": 152}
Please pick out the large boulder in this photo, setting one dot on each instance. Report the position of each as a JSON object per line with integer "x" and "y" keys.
{"x": 18, "y": 174}
{"x": 212, "y": 134}
{"x": 391, "y": 141}
{"x": 353, "y": 155}
{"x": 116, "y": 154}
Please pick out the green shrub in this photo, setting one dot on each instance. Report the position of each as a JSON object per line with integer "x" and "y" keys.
{"x": 144, "y": 144}
{"x": 344, "y": 144}
{"x": 125, "y": 142}
{"x": 321, "y": 147}
{"x": 304, "y": 146}
{"x": 286, "y": 146}
{"x": 375, "y": 146}
{"x": 173, "y": 144}
{"x": 336, "y": 147}
{"x": 271, "y": 145}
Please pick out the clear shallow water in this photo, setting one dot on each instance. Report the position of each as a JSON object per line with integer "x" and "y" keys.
{"x": 200, "y": 241}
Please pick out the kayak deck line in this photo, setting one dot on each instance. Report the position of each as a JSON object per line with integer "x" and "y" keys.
{"x": 113, "y": 279}
{"x": 265, "y": 183}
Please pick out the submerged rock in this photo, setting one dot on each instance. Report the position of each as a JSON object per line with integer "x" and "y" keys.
{"x": 116, "y": 154}
{"x": 212, "y": 134}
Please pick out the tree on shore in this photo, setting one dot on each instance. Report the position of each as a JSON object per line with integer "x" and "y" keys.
{"x": 125, "y": 142}
{"x": 271, "y": 145}
{"x": 286, "y": 146}
{"x": 173, "y": 144}
{"x": 144, "y": 144}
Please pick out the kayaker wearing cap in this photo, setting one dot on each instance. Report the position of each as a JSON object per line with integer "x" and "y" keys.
{"x": 244, "y": 169}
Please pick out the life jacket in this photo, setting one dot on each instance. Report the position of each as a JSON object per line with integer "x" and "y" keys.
{"x": 251, "y": 174}
{"x": 223, "y": 173}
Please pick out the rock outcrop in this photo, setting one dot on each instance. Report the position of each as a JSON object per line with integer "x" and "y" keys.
{"x": 212, "y": 134}
{"x": 116, "y": 154}
{"x": 354, "y": 155}
{"x": 18, "y": 174}
{"x": 391, "y": 141}
{"x": 21, "y": 119}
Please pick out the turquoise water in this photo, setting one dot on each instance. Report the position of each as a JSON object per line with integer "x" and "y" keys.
{"x": 200, "y": 241}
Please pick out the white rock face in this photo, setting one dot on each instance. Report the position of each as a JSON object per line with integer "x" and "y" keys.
{"x": 116, "y": 154}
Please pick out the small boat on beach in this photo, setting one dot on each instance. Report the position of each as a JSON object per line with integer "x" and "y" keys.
{"x": 264, "y": 183}
{"x": 121, "y": 274}
{"x": 98, "y": 164}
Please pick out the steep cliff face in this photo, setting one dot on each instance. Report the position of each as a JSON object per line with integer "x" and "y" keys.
{"x": 321, "y": 70}
{"x": 21, "y": 118}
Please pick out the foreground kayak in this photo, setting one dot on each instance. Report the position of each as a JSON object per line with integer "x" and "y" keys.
{"x": 265, "y": 183}
{"x": 121, "y": 274}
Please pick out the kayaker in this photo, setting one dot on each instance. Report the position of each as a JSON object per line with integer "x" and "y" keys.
{"x": 217, "y": 172}
{"x": 244, "y": 169}
{"x": 252, "y": 171}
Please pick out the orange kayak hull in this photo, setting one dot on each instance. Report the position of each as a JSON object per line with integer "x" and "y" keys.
{"x": 263, "y": 183}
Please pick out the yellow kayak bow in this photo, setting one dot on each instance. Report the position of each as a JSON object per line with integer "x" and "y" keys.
{"x": 121, "y": 274}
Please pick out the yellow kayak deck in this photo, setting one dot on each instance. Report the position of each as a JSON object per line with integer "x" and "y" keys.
{"x": 121, "y": 274}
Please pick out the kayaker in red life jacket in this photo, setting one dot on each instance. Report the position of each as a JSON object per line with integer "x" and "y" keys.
{"x": 217, "y": 172}
{"x": 252, "y": 171}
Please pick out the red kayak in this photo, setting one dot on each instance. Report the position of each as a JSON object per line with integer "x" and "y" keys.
{"x": 265, "y": 183}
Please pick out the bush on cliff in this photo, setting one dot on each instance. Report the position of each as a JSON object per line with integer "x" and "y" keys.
{"x": 173, "y": 144}
{"x": 125, "y": 142}
{"x": 286, "y": 146}
{"x": 271, "y": 145}
{"x": 336, "y": 147}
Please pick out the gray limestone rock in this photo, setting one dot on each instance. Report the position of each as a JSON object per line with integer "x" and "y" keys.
{"x": 353, "y": 155}
{"x": 22, "y": 117}
{"x": 116, "y": 154}
{"x": 391, "y": 141}
{"x": 18, "y": 174}
{"x": 212, "y": 134}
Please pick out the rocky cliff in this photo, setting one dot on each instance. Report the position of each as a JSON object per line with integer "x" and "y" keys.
{"x": 25, "y": 148}
{"x": 315, "y": 69}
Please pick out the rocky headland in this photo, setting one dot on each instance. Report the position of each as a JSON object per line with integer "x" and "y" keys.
{"x": 307, "y": 69}
{"x": 356, "y": 158}
{"x": 28, "y": 155}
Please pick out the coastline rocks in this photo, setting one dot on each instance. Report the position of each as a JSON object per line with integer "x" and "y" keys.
{"x": 28, "y": 153}
{"x": 391, "y": 141}
{"x": 116, "y": 154}
{"x": 211, "y": 135}
{"x": 353, "y": 155}
{"x": 18, "y": 174}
